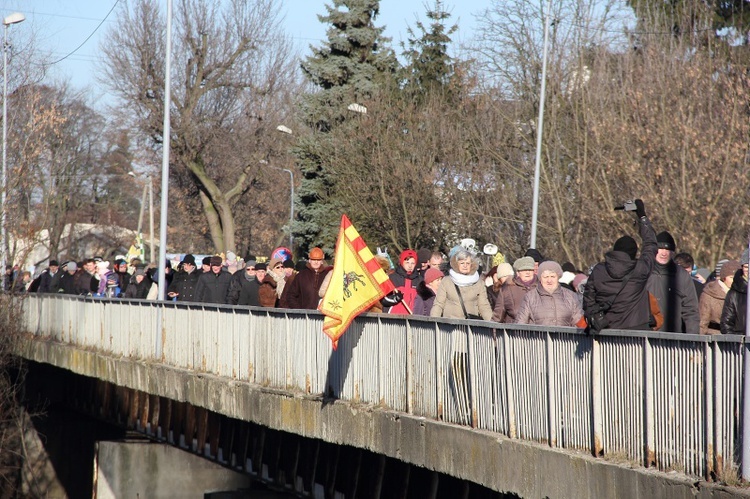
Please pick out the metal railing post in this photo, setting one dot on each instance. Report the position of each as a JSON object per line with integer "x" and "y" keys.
{"x": 708, "y": 401}
{"x": 649, "y": 451}
{"x": 719, "y": 428}
{"x": 551, "y": 390}
{"x": 439, "y": 374}
{"x": 510, "y": 394}
{"x": 745, "y": 422}
{"x": 596, "y": 399}
{"x": 472, "y": 377}
{"x": 409, "y": 360}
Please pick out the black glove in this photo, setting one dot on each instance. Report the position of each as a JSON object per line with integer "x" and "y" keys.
{"x": 640, "y": 209}
{"x": 392, "y": 299}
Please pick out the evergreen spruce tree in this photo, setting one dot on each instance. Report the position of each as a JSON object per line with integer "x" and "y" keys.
{"x": 348, "y": 68}
{"x": 429, "y": 67}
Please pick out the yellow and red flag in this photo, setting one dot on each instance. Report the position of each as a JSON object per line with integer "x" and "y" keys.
{"x": 357, "y": 283}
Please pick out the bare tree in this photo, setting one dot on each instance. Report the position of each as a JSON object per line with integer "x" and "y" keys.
{"x": 663, "y": 120}
{"x": 57, "y": 176}
{"x": 231, "y": 69}
{"x": 675, "y": 129}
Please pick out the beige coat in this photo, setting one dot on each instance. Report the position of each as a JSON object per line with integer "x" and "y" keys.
{"x": 448, "y": 305}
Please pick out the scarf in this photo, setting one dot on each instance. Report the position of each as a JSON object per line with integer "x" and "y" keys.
{"x": 280, "y": 282}
{"x": 462, "y": 279}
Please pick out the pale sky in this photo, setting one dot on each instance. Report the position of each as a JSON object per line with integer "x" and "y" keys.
{"x": 62, "y": 25}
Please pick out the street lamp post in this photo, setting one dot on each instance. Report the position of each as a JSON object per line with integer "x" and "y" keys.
{"x": 150, "y": 187}
{"x": 540, "y": 129}
{"x": 14, "y": 18}
{"x": 165, "y": 164}
{"x": 288, "y": 131}
{"x": 291, "y": 207}
{"x": 291, "y": 199}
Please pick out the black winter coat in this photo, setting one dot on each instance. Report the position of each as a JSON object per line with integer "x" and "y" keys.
{"x": 184, "y": 285}
{"x": 734, "y": 313}
{"x": 140, "y": 290}
{"x": 673, "y": 288}
{"x": 213, "y": 288}
{"x": 244, "y": 291}
{"x": 123, "y": 280}
{"x": 66, "y": 284}
{"x": 86, "y": 283}
{"x": 630, "y": 310}
{"x": 45, "y": 282}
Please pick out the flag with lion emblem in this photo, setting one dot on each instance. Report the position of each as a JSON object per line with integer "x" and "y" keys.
{"x": 357, "y": 282}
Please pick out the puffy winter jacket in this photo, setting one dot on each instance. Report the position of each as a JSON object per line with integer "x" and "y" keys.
{"x": 559, "y": 308}
{"x": 407, "y": 284}
{"x": 510, "y": 297}
{"x": 734, "y": 313}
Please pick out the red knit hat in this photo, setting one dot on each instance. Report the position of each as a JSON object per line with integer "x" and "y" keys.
{"x": 432, "y": 274}
{"x": 407, "y": 253}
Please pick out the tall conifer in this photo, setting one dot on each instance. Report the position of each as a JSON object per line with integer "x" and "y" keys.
{"x": 347, "y": 68}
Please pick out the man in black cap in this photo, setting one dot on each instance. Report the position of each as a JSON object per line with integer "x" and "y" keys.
{"x": 206, "y": 264}
{"x": 628, "y": 303}
{"x": 45, "y": 279}
{"x": 245, "y": 286}
{"x": 423, "y": 260}
{"x": 213, "y": 285}
{"x": 674, "y": 290}
{"x": 185, "y": 281}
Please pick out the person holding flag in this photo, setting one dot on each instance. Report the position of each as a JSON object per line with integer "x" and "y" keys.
{"x": 406, "y": 278}
{"x": 357, "y": 283}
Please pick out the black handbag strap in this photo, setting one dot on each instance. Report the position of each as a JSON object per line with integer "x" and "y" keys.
{"x": 624, "y": 282}
{"x": 461, "y": 299}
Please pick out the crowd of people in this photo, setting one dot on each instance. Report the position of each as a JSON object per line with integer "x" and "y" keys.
{"x": 657, "y": 289}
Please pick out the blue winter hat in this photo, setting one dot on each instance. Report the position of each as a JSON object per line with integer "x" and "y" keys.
{"x": 454, "y": 250}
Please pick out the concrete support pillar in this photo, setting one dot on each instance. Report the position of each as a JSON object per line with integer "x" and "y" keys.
{"x": 146, "y": 469}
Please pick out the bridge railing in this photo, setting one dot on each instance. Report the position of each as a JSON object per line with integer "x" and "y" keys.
{"x": 663, "y": 400}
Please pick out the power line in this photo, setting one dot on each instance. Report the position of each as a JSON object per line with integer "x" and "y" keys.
{"x": 63, "y": 16}
{"x": 88, "y": 37}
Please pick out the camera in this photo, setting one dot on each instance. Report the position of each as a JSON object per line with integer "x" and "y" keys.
{"x": 627, "y": 206}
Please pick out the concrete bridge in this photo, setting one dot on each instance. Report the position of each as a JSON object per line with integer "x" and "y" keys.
{"x": 407, "y": 407}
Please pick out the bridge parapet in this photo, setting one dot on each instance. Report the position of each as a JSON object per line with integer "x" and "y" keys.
{"x": 660, "y": 400}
